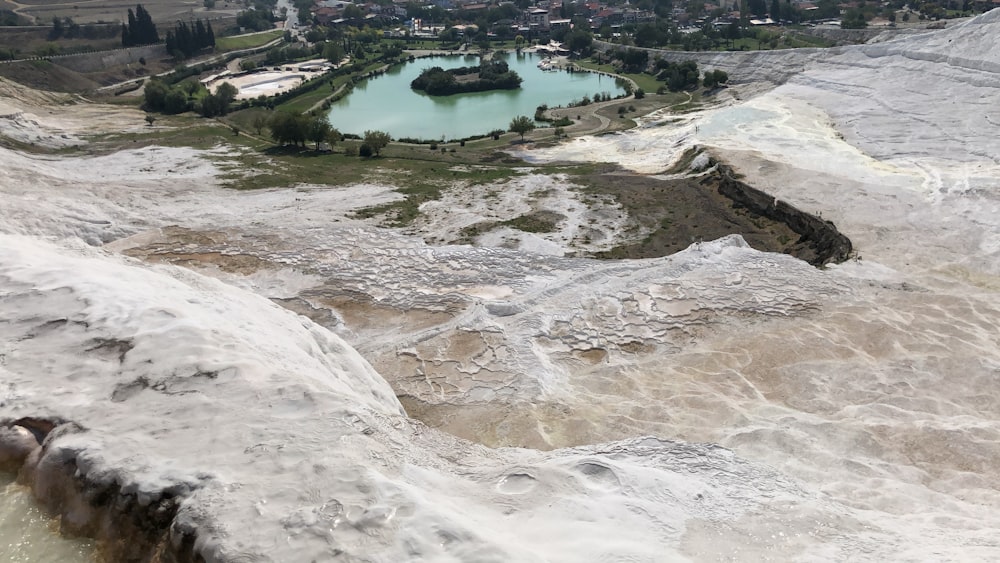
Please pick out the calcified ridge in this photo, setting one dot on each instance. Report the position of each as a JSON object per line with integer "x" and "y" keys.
{"x": 848, "y": 413}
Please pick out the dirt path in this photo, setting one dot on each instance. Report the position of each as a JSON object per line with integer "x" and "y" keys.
{"x": 206, "y": 60}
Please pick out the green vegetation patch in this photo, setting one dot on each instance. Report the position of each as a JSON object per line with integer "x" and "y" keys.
{"x": 490, "y": 75}
{"x": 428, "y": 185}
{"x": 542, "y": 221}
{"x": 646, "y": 82}
{"x": 235, "y": 43}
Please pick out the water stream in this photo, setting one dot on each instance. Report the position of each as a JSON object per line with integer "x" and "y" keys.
{"x": 28, "y": 535}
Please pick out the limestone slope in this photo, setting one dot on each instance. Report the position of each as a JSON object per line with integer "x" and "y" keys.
{"x": 257, "y": 435}
{"x": 858, "y": 403}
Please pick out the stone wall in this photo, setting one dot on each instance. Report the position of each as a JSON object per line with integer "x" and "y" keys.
{"x": 94, "y": 62}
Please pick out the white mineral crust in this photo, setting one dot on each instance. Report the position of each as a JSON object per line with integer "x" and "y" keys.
{"x": 799, "y": 414}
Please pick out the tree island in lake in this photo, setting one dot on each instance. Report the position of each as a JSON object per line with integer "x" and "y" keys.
{"x": 489, "y": 75}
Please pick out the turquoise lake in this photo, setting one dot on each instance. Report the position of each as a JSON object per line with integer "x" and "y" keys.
{"x": 387, "y": 103}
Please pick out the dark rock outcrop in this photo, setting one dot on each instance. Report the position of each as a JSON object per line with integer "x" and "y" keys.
{"x": 820, "y": 242}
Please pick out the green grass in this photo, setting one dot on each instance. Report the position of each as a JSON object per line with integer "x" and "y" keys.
{"x": 422, "y": 181}
{"x": 255, "y": 163}
{"x": 802, "y": 40}
{"x": 643, "y": 80}
{"x": 536, "y": 222}
{"x": 224, "y": 44}
{"x": 303, "y": 102}
{"x": 423, "y": 44}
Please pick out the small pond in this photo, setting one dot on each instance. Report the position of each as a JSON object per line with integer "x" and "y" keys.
{"x": 387, "y": 103}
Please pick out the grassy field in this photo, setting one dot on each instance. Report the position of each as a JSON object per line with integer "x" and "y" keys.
{"x": 307, "y": 100}
{"x": 643, "y": 80}
{"x": 302, "y": 103}
{"x": 255, "y": 162}
{"x": 797, "y": 40}
{"x": 237, "y": 42}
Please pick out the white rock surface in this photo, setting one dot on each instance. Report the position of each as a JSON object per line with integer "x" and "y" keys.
{"x": 182, "y": 384}
{"x": 860, "y": 401}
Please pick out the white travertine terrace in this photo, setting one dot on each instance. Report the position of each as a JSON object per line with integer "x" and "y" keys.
{"x": 850, "y": 413}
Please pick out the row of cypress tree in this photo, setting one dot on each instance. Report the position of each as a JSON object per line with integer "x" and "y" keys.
{"x": 188, "y": 40}
{"x": 140, "y": 29}
{"x": 184, "y": 39}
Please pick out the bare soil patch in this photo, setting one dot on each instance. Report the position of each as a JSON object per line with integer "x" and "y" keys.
{"x": 679, "y": 212}
{"x": 45, "y": 75}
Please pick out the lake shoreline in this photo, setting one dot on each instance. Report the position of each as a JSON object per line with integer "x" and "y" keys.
{"x": 454, "y": 118}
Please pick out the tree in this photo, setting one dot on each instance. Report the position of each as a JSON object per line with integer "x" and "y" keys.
{"x": 259, "y": 123}
{"x": 226, "y": 93}
{"x": 176, "y": 101}
{"x": 150, "y": 119}
{"x": 57, "y": 28}
{"x": 333, "y": 136}
{"x": 733, "y": 32}
{"x": 155, "y": 94}
{"x": 646, "y": 35}
{"x": 715, "y": 78}
{"x": 521, "y": 124}
{"x": 853, "y": 19}
{"x": 635, "y": 60}
{"x": 319, "y": 129}
{"x": 259, "y": 19}
{"x": 579, "y": 41}
{"x": 333, "y": 52}
{"x": 376, "y": 141}
{"x": 351, "y": 13}
{"x": 140, "y": 29}
{"x": 288, "y": 128}
{"x": 186, "y": 40}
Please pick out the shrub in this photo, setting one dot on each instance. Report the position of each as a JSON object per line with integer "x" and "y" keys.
{"x": 639, "y": 93}
{"x": 365, "y": 151}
